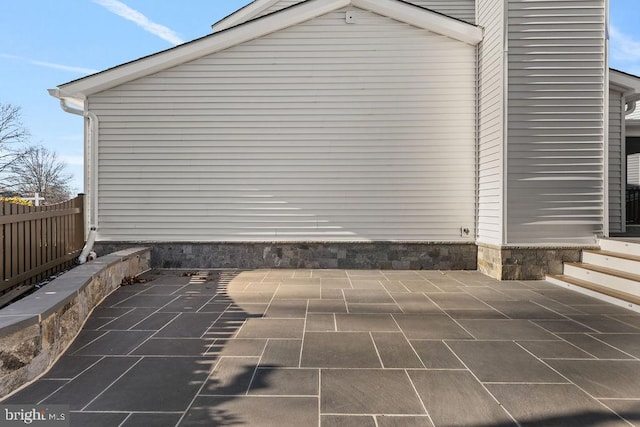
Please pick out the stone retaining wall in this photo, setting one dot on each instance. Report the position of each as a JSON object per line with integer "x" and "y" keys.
{"x": 37, "y": 329}
{"x": 344, "y": 255}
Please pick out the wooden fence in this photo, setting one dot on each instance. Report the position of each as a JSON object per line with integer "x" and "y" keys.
{"x": 37, "y": 242}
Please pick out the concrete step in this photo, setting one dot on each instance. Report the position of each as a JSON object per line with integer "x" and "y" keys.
{"x": 622, "y": 246}
{"x": 605, "y": 277}
{"x": 620, "y": 298}
{"x": 612, "y": 260}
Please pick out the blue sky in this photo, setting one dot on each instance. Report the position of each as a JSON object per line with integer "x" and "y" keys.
{"x": 49, "y": 42}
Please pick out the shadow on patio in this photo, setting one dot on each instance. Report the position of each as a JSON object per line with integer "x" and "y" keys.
{"x": 348, "y": 348}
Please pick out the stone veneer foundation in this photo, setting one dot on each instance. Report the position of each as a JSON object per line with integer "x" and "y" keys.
{"x": 503, "y": 263}
{"x": 344, "y": 255}
{"x": 525, "y": 263}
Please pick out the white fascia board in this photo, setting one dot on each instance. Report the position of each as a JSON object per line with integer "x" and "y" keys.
{"x": 207, "y": 45}
{"x": 618, "y": 88}
{"x": 425, "y": 19}
{"x": 626, "y": 81}
{"x": 243, "y": 15}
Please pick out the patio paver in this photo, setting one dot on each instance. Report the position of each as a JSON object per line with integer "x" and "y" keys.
{"x": 348, "y": 348}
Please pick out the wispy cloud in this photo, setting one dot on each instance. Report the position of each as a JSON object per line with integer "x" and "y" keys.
{"x": 625, "y": 51}
{"x": 79, "y": 70}
{"x": 124, "y": 11}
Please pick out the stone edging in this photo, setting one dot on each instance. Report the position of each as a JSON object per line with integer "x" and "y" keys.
{"x": 37, "y": 329}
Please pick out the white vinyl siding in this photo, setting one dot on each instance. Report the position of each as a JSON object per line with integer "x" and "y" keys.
{"x": 555, "y": 121}
{"x": 464, "y": 10}
{"x": 325, "y": 131}
{"x": 491, "y": 122}
{"x": 616, "y": 162}
{"x": 460, "y": 9}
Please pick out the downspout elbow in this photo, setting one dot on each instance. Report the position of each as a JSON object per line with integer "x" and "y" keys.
{"x": 64, "y": 103}
{"x": 66, "y": 108}
{"x": 82, "y": 259}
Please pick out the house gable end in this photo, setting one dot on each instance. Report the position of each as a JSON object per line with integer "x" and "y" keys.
{"x": 403, "y": 12}
{"x": 366, "y": 135}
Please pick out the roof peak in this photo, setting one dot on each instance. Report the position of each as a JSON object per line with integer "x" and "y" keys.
{"x": 294, "y": 15}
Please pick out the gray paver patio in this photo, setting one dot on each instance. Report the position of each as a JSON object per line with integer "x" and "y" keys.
{"x": 348, "y": 348}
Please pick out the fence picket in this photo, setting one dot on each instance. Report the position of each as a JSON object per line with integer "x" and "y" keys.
{"x": 20, "y": 243}
{"x": 36, "y": 242}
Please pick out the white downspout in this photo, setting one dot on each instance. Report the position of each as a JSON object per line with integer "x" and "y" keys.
{"x": 93, "y": 131}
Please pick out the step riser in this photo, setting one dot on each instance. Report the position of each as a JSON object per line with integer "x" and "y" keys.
{"x": 591, "y": 293}
{"x": 621, "y": 264}
{"x": 603, "y": 279}
{"x": 620, "y": 247}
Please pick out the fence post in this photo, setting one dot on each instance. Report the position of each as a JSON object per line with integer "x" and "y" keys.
{"x": 79, "y": 221}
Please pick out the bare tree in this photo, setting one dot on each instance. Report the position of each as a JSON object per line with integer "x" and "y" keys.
{"x": 40, "y": 171}
{"x": 13, "y": 135}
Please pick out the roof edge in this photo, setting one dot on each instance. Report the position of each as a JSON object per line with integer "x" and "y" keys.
{"x": 424, "y": 18}
{"x": 243, "y": 14}
{"x": 301, "y": 12}
{"x": 81, "y": 88}
{"x": 626, "y": 81}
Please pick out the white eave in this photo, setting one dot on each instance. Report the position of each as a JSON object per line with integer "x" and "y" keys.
{"x": 398, "y": 10}
{"x": 624, "y": 82}
{"x": 245, "y": 14}
{"x": 629, "y": 85}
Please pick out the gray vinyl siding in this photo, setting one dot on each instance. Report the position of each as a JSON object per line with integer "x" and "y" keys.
{"x": 460, "y": 9}
{"x": 616, "y": 162}
{"x": 364, "y": 135}
{"x": 556, "y": 84}
{"x": 491, "y": 122}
